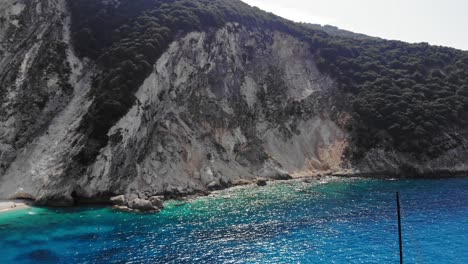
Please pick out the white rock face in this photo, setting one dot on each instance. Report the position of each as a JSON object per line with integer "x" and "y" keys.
{"x": 216, "y": 109}
{"x": 35, "y": 163}
{"x": 188, "y": 130}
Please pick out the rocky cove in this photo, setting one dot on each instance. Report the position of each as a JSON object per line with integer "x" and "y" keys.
{"x": 221, "y": 106}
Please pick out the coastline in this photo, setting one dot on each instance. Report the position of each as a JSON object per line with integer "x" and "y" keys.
{"x": 18, "y": 204}
{"x": 245, "y": 215}
{"x": 12, "y": 205}
{"x": 385, "y": 175}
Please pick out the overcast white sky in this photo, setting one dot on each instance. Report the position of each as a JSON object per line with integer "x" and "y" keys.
{"x": 439, "y": 22}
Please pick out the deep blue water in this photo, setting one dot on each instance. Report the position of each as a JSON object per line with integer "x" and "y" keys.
{"x": 342, "y": 221}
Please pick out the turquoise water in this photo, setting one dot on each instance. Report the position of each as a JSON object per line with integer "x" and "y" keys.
{"x": 342, "y": 221}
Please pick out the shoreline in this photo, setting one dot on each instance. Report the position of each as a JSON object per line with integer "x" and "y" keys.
{"x": 13, "y": 205}
{"x": 19, "y": 204}
{"x": 385, "y": 175}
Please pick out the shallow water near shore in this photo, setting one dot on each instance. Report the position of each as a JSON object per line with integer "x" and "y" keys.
{"x": 339, "y": 221}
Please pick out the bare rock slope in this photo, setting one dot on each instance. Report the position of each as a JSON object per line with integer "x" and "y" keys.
{"x": 220, "y": 106}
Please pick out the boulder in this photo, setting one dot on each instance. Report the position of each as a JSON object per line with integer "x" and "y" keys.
{"x": 157, "y": 201}
{"x": 121, "y": 208}
{"x": 214, "y": 185}
{"x": 272, "y": 171}
{"x": 261, "y": 182}
{"x": 131, "y": 197}
{"x": 142, "y": 205}
{"x": 281, "y": 176}
{"x": 118, "y": 200}
{"x": 242, "y": 182}
{"x": 308, "y": 180}
{"x": 225, "y": 182}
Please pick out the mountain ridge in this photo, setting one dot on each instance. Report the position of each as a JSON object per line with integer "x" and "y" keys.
{"x": 336, "y": 31}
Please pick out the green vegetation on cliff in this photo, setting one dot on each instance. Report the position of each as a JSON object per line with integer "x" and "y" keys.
{"x": 403, "y": 96}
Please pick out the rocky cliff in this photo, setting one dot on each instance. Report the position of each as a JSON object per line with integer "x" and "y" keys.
{"x": 43, "y": 88}
{"x": 219, "y": 106}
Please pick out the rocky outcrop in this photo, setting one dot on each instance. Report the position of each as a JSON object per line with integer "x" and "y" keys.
{"x": 135, "y": 203}
{"x": 261, "y": 182}
{"x": 118, "y": 200}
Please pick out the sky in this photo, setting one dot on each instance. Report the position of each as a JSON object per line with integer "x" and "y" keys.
{"x": 439, "y": 22}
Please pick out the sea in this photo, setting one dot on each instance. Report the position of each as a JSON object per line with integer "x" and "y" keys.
{"x": 331, "y": 220}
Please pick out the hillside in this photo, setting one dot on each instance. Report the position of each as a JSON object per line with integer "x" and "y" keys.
{"x": 173, "y": 97}
{"x": 374, "y": 73}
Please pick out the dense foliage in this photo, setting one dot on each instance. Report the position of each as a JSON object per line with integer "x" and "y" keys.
{"x": 403, "y": 95}
{"x": 338, "y": 32}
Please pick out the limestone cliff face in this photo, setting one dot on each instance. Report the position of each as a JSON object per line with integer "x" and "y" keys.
{"x": 218, "y": 107}
{"x": 42, "y": 90}
{"x": 33, "y": 89}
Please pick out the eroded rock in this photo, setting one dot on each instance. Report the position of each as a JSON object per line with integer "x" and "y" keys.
{"x": 261, "y": 182}
{"x": 141, "y": 205}
{"x": 214, "y": 185}
{"x": 118, "y": 200}
{"x": 157, "y": 202}
{"x": 152, "y": 205}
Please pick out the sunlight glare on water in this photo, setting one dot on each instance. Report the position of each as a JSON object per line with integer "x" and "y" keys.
{"x": 342, "y": 221}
